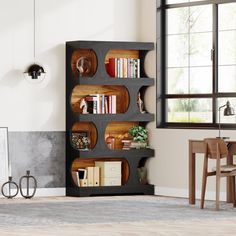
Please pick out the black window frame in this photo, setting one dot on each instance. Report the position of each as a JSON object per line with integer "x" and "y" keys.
{"x": 161, "y": 95}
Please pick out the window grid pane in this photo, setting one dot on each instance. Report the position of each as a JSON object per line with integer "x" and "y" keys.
{"x": 189, "y": 43}
{"x": 189, "y": 65}
{"x": 190, "y": 110}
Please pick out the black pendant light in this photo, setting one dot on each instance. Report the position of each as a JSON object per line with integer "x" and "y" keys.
{"x": 35, "y": 71}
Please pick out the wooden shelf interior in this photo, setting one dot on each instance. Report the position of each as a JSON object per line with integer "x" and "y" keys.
{"x": 81, "y": 91}
{"x": 88, "y": 127}
{"x": 119, "y": 130}
{"x": 120, "y": 53}
{"x": 83, "y": 163}
{"x": 90, "y": 56}
{"x": 142, "y": 171}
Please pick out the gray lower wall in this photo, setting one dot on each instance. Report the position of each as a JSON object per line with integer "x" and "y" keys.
{"x": 43, "y": 153}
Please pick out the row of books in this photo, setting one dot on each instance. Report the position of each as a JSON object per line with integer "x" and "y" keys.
{"x": 101, "y": 104}
{"x": 130, "y": 144}
{"x": 123, "y": 67}
{"x": 87, "y": 177}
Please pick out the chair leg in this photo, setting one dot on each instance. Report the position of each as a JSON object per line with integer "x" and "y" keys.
{"x": 217, "y": 192}
{"x": 204, "y": 182}
{"x": 233, "y": 191}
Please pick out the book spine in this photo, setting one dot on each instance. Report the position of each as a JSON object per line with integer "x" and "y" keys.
{"x": 138, "y": 68}
{"x": 96, "y": 176}
{"x": 103, "y": 103}
{"x": 135, "y": 69}
{"x": 112, "y": 67}
{"x": 125, "y": 72}
{"x": 109, "y": 104}
{"x": 117, "y": 67}
{"x": 131, "y": 68}
{"x": 113, "y": 105}
{"x": 90, "y": 175}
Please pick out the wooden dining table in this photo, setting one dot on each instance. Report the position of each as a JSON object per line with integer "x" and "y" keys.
{"x": 197, "y": 146}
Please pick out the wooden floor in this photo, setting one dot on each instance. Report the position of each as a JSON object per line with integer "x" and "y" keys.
{"x": 221, "y": 227}
{"x": 192, "y": 228}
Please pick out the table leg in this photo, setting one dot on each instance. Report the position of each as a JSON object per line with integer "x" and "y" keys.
{"x": 229, "y": 196}
{"x": 192, "y": 161}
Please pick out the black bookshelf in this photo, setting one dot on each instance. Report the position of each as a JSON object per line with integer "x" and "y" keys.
{"x": 133, "y": 157}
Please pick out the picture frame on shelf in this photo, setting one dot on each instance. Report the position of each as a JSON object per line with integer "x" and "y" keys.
{"x": 81, "y": 140}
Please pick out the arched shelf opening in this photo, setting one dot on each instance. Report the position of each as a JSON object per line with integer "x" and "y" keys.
{"x": 100, "y": 99}
{"x": 117, "y": 136}
{"x": 83, "y": 136}
{"x": 80, "y": 165}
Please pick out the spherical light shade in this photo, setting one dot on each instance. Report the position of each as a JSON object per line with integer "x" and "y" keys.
{"x": 35, "y": 71}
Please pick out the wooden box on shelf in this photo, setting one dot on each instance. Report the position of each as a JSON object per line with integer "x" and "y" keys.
{"x": 110, "y": 172}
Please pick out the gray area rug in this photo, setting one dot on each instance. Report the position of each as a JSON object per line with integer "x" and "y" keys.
{"x": 127, "y": 209}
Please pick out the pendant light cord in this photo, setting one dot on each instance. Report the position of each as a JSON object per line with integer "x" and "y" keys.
{"x": 34, "y": 30}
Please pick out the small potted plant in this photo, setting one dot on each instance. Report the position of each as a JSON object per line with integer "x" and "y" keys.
{"x": 140, "y": 137}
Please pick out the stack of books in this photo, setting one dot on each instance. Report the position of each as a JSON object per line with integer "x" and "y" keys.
{"x": 126, "y": 144}
{"x": 101, "y": 104}
{"x": 123, "y": 67}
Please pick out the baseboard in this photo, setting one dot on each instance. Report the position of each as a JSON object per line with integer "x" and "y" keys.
{"x": 50, "y": 192}
{"x": 183, "y": 193}
{"x": 47, "y": 192}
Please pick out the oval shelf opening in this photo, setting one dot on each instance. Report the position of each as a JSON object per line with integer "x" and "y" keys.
{"x": 83, "y": 136}
{"x": 116, "y": 134}
{"x": 79, "y": 169}
{"x": 100, "y": 99}
{"x": 84, "y": 62}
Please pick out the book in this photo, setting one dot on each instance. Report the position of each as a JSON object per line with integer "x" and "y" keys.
{"x": 138, "y": 68}
{"x": 96, "y": 176}
{"x": 113, "y": 104}
{"x": 90, "y": 175}
{"x": 83, "y": 182}
{"x": 112, "y": 70}
{"x": 75, "y": 177}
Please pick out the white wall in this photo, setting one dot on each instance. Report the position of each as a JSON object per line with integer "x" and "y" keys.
{"x": 41, "y": 107}
{"x": 168, "y": 171}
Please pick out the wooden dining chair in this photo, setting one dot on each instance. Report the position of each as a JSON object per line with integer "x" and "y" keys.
{"x": 216, "y": 148}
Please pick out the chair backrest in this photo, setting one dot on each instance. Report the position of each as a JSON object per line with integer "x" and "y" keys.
{"x": 215, "y": 145}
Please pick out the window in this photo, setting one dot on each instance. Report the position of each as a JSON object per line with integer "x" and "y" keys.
{"x": 196, "y": 62}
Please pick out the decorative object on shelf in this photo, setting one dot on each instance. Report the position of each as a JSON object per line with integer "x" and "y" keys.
{"x": 27, "y": 177}
{"x": 140, "y": 104}
{"x": 142, "y": 175}
{"x": 228, "y": 111}
{"x": 139, "y": 133}
{"x": 140, "y": 137}
{"x": 110, "y": 141}
{"x": 35, "y": 72}
{"x": 84, "y": 106}
{"x": 83, "y": 65}
{"x": 81, "y": 140}
{"x": 8, "y": 187}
